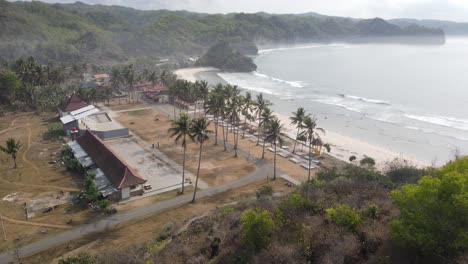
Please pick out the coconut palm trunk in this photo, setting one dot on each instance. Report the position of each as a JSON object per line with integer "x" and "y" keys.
{"x": 310, "y": 160}
{"x": 198, "y": 171}
{"x": 274, "y": 162}
{"x": 295, "y": 141}
{"x": 216, "y": 129}
{"x": 224, "y": 138}
{"x": 183, "y": 167}
{"x": 259, "y": 127}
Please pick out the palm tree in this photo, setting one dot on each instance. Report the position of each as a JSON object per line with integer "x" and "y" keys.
{"x": 260, "y": 105}
{"x": 233, "y": 107}
{"x": 12, "y": 148}
{"x": 247, "y": 107}
{"x": 213, "y": 106}
{"x": 130, "y": 78}
{"x": 181, "y": 128}
{"x": 310, "y": 125}
{"x": 152, "y": 77}
{"x": 274, "y": 132}
{"x": 298, "y": 120}
{"x": 266, "y": 118}
{"x": 199, "y": 132}
{"x": 204, "y": 89}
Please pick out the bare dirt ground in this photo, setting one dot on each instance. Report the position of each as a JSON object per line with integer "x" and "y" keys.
{"x": 33, "y": 177}
{"x": 136, "y": 235}
{"x": 217, "y": 167}
{"x": 123, "y": 104}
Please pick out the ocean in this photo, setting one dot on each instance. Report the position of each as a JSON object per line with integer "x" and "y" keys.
{"x": 409, "y": 99}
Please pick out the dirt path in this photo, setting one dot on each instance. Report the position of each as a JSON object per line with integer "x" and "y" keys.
{"x": 21, "y": 222}
{"x": 42, "y": 186}
{"x": 36, "y": 169}
{"x": 11, "y": 124}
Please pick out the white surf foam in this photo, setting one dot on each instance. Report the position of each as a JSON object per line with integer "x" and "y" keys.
{"x": 446, "y": 121}
{"x": 262, "y": 51}
{"x": 372, "y": 101}
{"x": 295, "y": 84}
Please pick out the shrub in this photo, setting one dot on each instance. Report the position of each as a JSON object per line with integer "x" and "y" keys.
{"x": 352, "y": 158}
{"x": 103, "y": 204}
{"x": 79, "y": 259}
{"x": 54, "y": 131}
{"x": 257, "y": 228}
{"x": 367, "y": 161}
{"x": 434, "y": 212}
{"x": 400, "y": 172}
{"x": 166, "y": 232}
{"x": 326, "y": 174}
{"x": 70, "y": 162}
{"x": 345, "y": 216}
{"x": 372, "y": 212}
{"x": 296, "y": 201}
{"x": 227, "y": 210}
{"x": 264, "y": 192}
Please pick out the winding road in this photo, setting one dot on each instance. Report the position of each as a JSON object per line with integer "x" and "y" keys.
{"x": 262, "y": 169}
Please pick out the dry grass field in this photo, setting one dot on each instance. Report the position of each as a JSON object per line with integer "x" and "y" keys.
{"x": 217, "y": 166}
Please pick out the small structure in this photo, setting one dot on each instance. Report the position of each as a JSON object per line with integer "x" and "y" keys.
{"x": 155, "y": 92}
{"x": 115, "y": 179}
{"x": 70, "y": 120}
{"x": 101, "y": 78}
{"x": 91, "y": 118}
{"x": 87, "y": 85}
{"x": 72, "y": 103}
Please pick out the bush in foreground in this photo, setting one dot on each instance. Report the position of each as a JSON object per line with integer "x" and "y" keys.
{"x": 345, "y": 216}
{"x": 434, "y": 212}
{"x": 257, "y": 227}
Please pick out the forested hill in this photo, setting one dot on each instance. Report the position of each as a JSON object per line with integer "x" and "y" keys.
{"x": 112, "y": 33}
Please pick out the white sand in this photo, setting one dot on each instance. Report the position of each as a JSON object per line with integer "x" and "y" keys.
{"x": 342, "y": 147}
{"x": 189, "y": 74}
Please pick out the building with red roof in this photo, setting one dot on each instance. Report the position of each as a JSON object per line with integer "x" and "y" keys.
{"x": 123, "y": 177}
{"x": 73, "y": 103}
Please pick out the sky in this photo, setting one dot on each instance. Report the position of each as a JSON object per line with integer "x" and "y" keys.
{"x": 455, "y": 10}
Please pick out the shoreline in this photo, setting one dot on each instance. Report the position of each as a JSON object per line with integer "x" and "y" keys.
{"x": 342, "y": 146}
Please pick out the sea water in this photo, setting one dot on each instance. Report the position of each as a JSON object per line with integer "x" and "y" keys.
{"x": 409, "y": 99}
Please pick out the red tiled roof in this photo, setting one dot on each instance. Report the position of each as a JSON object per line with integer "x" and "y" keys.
{"x": 117, "y": 171}
{"x": 74, "y": 103}
{"x": 155, "y": 88}
{"x": 101, "y": 76}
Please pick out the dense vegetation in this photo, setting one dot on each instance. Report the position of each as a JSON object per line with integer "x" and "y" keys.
{"x": 223, "y": 57}
{"x": 355, "y": 215}
{"x": 26, "y": 84}
{"x": 111, "y": 33}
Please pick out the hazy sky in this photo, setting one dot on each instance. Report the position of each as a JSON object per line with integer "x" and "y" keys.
{"x": 456, "y": 10}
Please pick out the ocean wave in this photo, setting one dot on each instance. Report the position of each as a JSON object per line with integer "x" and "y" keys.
{"x": 367, "y": 100}
{"x": 342, "y": 103}
{"x": 446, "y": 121}
{"x": 263, "y": 51}
{"x": 431, "y": 131}
{"x": 233, "y": 79}
{"x": 295, "y": 84}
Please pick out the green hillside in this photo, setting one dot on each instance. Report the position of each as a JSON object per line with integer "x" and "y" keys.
{"x": 112, "y": 33}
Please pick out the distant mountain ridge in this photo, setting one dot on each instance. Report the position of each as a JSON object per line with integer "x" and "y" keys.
{"x": 99, "y": 33}
{"x": 449, "y": 27}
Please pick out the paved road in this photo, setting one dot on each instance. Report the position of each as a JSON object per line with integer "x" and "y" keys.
{"x": 261, "y": 171}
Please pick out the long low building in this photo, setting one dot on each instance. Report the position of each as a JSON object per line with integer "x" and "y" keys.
{"x": 114, "y": 178}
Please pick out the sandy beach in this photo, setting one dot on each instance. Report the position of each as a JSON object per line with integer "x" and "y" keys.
{"x": 189, "y": 74}
{"x": 342, "y": 146}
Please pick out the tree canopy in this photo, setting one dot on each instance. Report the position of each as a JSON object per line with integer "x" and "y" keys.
{"x": 434, "y": 212}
